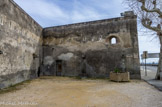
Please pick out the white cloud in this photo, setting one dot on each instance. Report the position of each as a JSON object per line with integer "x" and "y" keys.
{"x": 42, "y": 8}
{"x": 80, "y": 11}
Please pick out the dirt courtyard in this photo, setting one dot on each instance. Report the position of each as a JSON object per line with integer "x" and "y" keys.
{"x": 70, "y": 92}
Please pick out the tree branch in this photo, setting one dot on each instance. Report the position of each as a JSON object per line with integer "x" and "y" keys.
{"x": 155, "y": 3}
{"x": 147, "y": 23}
{"x": 157, "y": 10}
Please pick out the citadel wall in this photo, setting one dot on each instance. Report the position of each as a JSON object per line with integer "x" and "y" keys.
{"x": 20, "y": 44}
{"x": 86, "y": 48}
{"x": 82, "y": 49}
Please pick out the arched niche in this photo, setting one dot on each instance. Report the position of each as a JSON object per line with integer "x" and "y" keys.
{"x": 113, "y": 40}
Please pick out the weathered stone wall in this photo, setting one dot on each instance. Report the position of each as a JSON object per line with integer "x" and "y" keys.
{"x": 20, "y": 44}
{"x": 86, "y": 49}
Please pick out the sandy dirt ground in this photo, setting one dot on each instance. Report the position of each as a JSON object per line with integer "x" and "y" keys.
{"x": 70, "y": 92}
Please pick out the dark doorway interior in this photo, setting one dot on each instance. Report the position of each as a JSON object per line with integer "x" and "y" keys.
{"x": 38, "y": 73}
{"x": 58, "y": 67}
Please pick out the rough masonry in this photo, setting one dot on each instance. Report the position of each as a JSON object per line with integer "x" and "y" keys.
{"x": 20, "y": 44}
{"x": 86, "y": 48}
{"x": 91, "y": 49}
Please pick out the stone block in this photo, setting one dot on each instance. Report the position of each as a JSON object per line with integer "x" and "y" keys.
{"x": 119, "y": 77}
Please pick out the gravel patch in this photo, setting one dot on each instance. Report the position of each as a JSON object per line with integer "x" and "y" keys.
{"x": 70, "y": 92}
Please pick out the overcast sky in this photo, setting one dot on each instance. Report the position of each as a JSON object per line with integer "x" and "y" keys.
{"x": 59, "y": 12}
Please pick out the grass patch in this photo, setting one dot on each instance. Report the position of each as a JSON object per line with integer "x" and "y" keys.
{"x": 46, "y": 77}
{"x": 77, "y": 78}
{"x": 121, "y": 81}
{"x": 99, "y": 78}
{"x": 14, "y": 88}
{"x": 89, "y": 78}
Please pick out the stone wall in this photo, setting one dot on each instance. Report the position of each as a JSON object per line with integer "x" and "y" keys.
{"x": 20, "y": 44}
{"x": 87, "y": 49}
{"x": 83, "y": 49}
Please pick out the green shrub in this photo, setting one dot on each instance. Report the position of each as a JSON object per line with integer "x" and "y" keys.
{"x": 116, "y": 70}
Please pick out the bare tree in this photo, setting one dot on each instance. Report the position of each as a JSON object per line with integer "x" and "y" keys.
{"x": 149, "y": 13}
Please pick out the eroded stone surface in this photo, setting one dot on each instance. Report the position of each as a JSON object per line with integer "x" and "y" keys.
{"x": 92, "y": 40}
{"x": 20, "y": 39}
